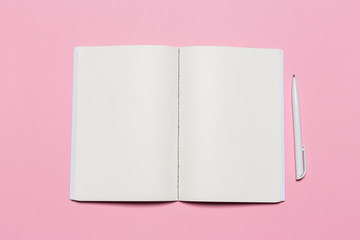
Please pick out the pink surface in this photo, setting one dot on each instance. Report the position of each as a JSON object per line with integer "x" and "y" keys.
{"x": 320, "y": 40}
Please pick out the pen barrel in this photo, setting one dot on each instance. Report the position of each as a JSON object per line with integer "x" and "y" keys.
{"x": 299, "y": 150}
{"x": 296, "y": 114}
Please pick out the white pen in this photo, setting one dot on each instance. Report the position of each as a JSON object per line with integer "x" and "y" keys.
{"x": 300, "y": 157}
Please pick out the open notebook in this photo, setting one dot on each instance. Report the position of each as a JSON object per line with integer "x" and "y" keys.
{"x": 161, "y": 123}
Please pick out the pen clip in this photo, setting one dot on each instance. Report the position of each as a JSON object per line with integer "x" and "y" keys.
{"x": 304, "y": 162}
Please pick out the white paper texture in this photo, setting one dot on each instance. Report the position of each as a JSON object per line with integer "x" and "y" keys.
{"x": 125, "y": 124}
{"x": 231, "y": 124}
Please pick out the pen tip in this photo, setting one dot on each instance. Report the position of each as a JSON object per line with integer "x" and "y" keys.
{"x": 293, "y": 75}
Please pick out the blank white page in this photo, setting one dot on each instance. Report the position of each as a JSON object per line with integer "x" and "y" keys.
{"x": 231, "y": 125}
{"x": 124, "y": 140}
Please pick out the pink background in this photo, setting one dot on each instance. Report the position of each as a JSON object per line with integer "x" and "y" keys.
{"x": 320, "y": 40}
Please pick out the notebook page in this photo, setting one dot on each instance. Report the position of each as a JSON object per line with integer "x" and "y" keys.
{"x": 231, "y": 125}
{"x": 124, "y": 145}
